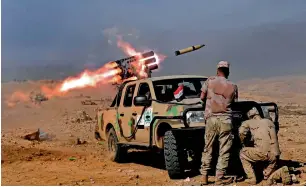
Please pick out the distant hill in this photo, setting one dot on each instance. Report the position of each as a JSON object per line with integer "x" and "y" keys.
{"x": 283, "y": 89}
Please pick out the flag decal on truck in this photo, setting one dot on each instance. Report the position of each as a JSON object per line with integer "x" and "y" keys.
{"x": 179, "y": 92}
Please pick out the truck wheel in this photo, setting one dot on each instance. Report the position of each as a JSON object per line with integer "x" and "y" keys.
{"x": 117, "y": 152}
{"x": 174, "y": 156}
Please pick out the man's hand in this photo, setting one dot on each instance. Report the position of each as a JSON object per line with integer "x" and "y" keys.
{"x": 203, "y": 96}
{"x": 203, "y": 103}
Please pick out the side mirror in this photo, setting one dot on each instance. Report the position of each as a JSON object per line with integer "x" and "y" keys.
{"x": 142, "y": 101}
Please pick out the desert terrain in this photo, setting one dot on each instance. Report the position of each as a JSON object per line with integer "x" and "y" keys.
{"x": 60, "y": 160}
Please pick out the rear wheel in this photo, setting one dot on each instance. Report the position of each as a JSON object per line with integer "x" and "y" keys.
{"x": 117, "y": 153}
{"x": 174, "y": 156}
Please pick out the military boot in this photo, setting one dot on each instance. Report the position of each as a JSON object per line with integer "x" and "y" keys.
{"x": 223, "y": 180}
{"x": 286, "y": 177}
{"x": 250, "y": 181}
{"x": 294, "y": 179}
{"x": 204, "y": 180}
{"x": 282, "y": 174}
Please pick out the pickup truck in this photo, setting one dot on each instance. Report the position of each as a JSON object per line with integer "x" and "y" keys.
{"x": 145, "y": 115}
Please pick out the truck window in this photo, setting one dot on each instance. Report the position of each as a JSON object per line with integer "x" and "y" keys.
{"x": 119, "y": 98}
{"x": 164, "y": 88}
{"x": 114, "y": 101}
{"x": 128, "y": 98}
{"x": 144, "y": 90}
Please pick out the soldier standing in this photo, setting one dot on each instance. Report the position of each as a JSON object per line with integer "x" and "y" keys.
{"x": 218, "y": 93}
{"x": 266, "y": 147}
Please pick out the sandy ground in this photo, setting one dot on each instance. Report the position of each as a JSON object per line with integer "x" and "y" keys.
{"x": 60, "y": 161}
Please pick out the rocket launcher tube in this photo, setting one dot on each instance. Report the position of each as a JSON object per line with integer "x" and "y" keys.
{"x": 188, "y": 49}
{"x": 135, "y": 58}
{"x": 150, "y": 61}
{"x": 148, "y": 54}
{"x": 153, "y": 66}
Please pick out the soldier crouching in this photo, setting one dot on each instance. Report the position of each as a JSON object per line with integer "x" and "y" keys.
{"x": 266, "y": 146}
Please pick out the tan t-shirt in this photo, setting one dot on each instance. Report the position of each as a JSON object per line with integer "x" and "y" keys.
{"x": 220, "y": 93}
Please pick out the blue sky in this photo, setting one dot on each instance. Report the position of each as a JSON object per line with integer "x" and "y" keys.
{"x": 249, "y": 33}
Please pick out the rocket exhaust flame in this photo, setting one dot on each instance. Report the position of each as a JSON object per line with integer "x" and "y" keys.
{"x": 87, "y": 79}
{"x": 139, "y": 66}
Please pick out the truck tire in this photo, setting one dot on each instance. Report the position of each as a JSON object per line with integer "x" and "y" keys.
{"x": 117, "y": 152}
{"x": 174, "y": 156}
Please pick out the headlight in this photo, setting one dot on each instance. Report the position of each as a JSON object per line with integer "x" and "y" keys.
{"x": 195, "y": 117}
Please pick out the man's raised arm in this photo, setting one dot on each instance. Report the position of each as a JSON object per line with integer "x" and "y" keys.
{"x": 243, "y": 130}
{"x": 204, "y": 91}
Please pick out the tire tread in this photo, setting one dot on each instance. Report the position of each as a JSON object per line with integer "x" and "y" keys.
{"x": 172, "y": 154}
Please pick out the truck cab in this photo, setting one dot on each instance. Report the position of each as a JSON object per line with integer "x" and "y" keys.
{"x": 124, "y": 114}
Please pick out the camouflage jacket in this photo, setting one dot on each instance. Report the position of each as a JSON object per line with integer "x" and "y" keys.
{"x": 263, "y": 134}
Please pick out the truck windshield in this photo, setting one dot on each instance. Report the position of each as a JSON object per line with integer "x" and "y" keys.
{"x": 164, "y": 89}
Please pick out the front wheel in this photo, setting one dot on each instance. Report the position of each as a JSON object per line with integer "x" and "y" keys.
{"x": 117, "y": 152}
{"x": 174, "y": 156}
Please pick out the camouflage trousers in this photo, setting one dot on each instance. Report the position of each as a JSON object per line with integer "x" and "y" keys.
{"x": 282, "y": 174}
{"x": 251, "y": 155}
{"x": 217, "y": 128}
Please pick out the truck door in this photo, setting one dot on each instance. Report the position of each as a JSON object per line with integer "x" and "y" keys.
{"x": 143, "y": 132}
{"x": 126, "y": 122}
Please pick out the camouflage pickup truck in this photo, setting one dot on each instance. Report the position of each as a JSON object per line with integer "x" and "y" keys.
{"x": 145, "y": 115}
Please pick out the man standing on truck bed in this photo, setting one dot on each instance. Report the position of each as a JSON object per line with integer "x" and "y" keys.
{"x": 218, "y": 93}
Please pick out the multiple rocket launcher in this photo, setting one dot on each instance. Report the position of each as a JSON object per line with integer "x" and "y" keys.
{"x": 127, "y": 69}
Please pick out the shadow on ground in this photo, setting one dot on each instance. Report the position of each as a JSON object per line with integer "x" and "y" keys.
{"x": 153, "y": 159}
{"x": 147, "y": 158}
{"x": 156, "y": 160}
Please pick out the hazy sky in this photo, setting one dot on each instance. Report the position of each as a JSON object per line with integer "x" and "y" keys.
{"x": 258, "y": 37}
